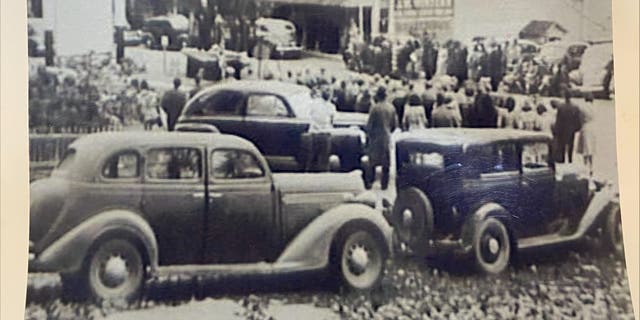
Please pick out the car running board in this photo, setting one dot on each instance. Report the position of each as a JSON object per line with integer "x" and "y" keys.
{"x": 588, "y": 223}
{"x": 229, "y": 270}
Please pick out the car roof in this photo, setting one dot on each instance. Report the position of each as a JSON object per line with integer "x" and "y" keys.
{"x": 106, "y": 142}
{"x": 465, "y": 137}
{"x": 260, "y": 86}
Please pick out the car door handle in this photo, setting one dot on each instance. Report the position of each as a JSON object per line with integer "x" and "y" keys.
{"x": 198, "y": 195}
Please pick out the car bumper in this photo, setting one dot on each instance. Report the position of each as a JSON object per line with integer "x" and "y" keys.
{"x": 288, "y": 52}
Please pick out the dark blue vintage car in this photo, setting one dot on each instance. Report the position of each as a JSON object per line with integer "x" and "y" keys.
{"x": 491, "y": 192}
{"x": 279, "y": 119}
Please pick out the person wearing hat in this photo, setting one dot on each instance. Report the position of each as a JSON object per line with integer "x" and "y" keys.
{"x": 428, "y": 99}
{"x": 172, "y": 103}
{"x": 363, "y": 104}
{"x": 446, "y": 114}
{"x": 484, "y": 114}
{"x": 381, "y": 123}
{"x": 527, "y": 117}
{"x": 545, "y": 120}
{"x": 414, "y": 116}
{"x": 567, "y": 124}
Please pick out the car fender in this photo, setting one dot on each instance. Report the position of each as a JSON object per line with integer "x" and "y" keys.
{"x": 67, "y": 254}
{"x": 483, "y": 212}
{"x": 311, "y": 247}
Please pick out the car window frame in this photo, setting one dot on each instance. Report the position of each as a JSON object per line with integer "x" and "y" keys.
{"x": 550, "y": 162}
{"x": 137, "y": 178}
{"x": 245, "y": 109}
{"x": 213, "y": 180}
{"x": 150, "y": 180}
{"x": 239, "y": 108}
{"x": 477, "y": 173}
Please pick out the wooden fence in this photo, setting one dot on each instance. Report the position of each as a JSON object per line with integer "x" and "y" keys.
{"x": 48, "y": 145}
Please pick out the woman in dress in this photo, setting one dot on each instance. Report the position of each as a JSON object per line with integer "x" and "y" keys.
{"x": 586, "y": 142}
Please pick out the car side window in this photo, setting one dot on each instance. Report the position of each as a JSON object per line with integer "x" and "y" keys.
{"x": 174, "y": 164}
{"x": 235, "y": 164}
{"x": 122, "y": 166}
{"x": 494, "y": 158}
{"x": 266, "y": 105}
{"x": 535, "y": 156}
{"x": 215, "y": 104}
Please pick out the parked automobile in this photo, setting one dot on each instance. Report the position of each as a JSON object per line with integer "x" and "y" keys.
{"x": 561, "y": 51}
{"x": 596, "y": 70}
{"x": 278, "y": 118}
{"x": 174, "y": 27}
{"x": 279, "y": 35}
{"x": 490, "y": 193}
{"x": 122, "y": 207}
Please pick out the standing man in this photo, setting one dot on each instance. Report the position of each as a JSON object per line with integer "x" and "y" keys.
{"x": 172, "y": 103}
{"x": 382, "y": 122}
{"x": 567, "y": 124}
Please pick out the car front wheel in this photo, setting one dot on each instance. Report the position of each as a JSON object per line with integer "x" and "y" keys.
{"x": 413, "y": 218}
{"x": 360, "y": 259}
{"x": 491, "y": 246}
{"x": 115, "y": 271}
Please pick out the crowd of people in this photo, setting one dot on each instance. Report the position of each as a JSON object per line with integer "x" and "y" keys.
{"x": 443, "y": 101}
{"x": 510, "y": 66}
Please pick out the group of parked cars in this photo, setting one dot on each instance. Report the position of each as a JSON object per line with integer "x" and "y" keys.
{"x": 278, "y": 35}
{"x": 121, "y": 208}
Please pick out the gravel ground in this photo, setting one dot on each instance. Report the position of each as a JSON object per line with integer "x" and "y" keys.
{"x": 553, "y": 285}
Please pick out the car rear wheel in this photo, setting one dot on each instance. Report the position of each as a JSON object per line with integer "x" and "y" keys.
{"x": 413, "y": 218}
{"x": 613, "y": 232}
{"x": 359, "y": 259}
{"x": 491, "y": 246}
{"x": 115, "y": 271}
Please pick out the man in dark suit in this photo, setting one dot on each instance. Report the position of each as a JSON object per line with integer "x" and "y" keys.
{"x": 172, "y": 103}
{"x": 381, "y": 123}
{"x": 564, "y": 131}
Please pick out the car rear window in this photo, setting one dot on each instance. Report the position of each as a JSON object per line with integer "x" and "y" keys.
{"x": 224, "y": 102}
{"x": 122, "y": 166}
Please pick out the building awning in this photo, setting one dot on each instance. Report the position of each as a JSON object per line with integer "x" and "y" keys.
{"x": 329, "y": 3}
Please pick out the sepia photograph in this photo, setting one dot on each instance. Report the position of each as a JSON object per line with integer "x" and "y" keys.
{"x": 323, "y": 159}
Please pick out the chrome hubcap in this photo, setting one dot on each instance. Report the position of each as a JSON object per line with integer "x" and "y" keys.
{"x": 407, "y": 218}
{"x": 114, "y": 271}
{"x": 358, "y": 259}
{"x": 494, "y": 245}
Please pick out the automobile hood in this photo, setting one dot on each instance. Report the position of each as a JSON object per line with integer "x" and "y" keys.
{"x": 348, "y": 119}
{"x": 289, "y": 183}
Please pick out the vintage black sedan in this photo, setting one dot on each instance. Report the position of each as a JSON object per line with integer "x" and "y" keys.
{"x": 281, "y": 119}
{"x": 124, "y": 207}
{"x": 489, "y": 193}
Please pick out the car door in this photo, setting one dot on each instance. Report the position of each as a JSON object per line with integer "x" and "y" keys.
{"x": 241, "y": 220}
{"x": 537, "y": 185}
{"x": 174, "y": 202}
{"x": 492, "y": 175}
{"x": 272, "y": 126}
{"x": 220, "y": 108}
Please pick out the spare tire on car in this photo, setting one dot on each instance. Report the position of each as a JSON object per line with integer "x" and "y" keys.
{"x": 413, "y": 218}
